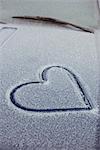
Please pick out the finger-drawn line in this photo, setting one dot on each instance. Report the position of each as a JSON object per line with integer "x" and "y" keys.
{"x": 6, "y": 33}
{"x": 76, "y": 79}
{"x": 86, "y": 98}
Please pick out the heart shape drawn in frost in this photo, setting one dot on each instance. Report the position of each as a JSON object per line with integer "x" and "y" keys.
{"x": 59, "y": 89}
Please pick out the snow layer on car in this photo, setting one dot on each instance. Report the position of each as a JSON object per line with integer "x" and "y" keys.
{"x": 24, "y": 57}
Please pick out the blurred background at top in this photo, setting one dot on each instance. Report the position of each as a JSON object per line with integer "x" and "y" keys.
{"x": 81, "y": 12}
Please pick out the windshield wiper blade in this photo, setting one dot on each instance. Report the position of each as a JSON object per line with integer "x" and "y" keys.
{"x": 54, "y": 21}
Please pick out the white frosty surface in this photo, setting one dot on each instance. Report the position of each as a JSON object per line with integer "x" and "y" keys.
{"x": 22, "y": 59}
{"x": 5, "y": 33}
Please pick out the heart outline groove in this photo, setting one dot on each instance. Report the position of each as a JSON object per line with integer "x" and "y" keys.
{"x": 72, "y": 77}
